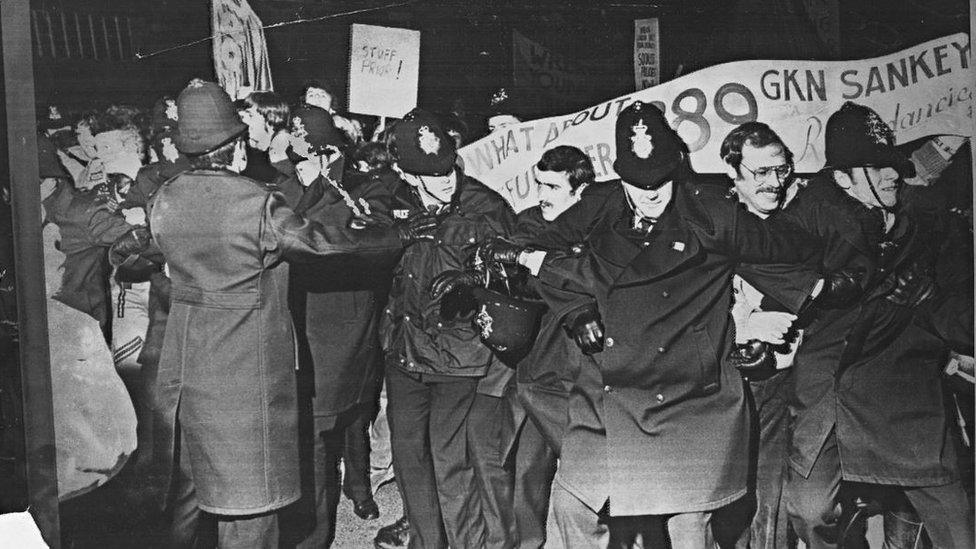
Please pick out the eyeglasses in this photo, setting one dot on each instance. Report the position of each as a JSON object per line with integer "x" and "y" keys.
{"x": 782, "y": 171}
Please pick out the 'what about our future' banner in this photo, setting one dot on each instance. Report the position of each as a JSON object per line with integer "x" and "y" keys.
{"x": 920, "y": 91}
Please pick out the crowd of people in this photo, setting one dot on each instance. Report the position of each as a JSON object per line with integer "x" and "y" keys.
{"x": 660, "y": 360}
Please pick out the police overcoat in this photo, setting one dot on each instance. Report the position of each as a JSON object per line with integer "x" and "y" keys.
{"x": 658, "y": 422}
{"x": 872, "y": 371}
{"x": 227, "y": 370}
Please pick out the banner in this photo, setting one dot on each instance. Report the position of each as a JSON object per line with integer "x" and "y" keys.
{"x": 561, "y": 80}
{"x": 923, "y": 90}
{"x": 647, "y": 58}
{"x": 384, "y": 67}
{"x": 239, "y": 50}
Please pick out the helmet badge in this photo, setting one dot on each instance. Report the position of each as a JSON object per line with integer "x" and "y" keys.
{"x": 428, "y": 140}
{"x": 643, "y": 145}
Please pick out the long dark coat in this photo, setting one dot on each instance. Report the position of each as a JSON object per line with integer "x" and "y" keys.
{"x": 658, "y": 421}
{"x": 337, "y": 306}
{"x": 227, "y": 370}
{"x": 871, "y": 371}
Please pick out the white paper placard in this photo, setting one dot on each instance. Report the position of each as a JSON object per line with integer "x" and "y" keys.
{"x": 384, "y": 66}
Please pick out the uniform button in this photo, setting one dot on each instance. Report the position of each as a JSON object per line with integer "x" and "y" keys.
{"x": 646, "y": 244}
{"x": 610, "y": 342}
{"x": 406, "y": 317}
{"x": 607, "y": 388}
{"x": 413, "y": 366}
{"x": 471, "y": 240}
{"x": 440, "y": 325}
{"x": 661, "y": 349}
{"x": 409, "y": 275}
{"x": 439, "y": 241}
{"x": 403, "y": 361}
{"x": 660, "y": 397}
{"x": 665, "y": 294}
{"x": 389, "y": 312}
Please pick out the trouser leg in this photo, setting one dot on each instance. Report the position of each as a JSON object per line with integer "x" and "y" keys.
{"x": 251, "y": 532}
{"x": 185, "y": 516}
{"x": 460, "y": 500}
{"x": 689, "y": 531}
{"x": 355, "y": 456}
{"x": 486, "y": 449}
{"x": 811, "y": 502}
{"x": 535, "y": 466}
{"x": 408, "y": 413}
{"x": 769, "y": 524}
{"x": 571, "y": 524}
{"x": 380, "y": 453}
{"x": 325, "y": 470}
{"x": 946, "y": 514}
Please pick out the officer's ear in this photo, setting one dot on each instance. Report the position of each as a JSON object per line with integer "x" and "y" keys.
{"x": 731, "y": 172}
{"x": 843, "y": 179}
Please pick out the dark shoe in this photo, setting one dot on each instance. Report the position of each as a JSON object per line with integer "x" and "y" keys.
{"x": 393, "y": 535}
{"x": 366, "y": 509}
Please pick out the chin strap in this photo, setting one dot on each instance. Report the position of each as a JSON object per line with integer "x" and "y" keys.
{"x": 875, "y": 192}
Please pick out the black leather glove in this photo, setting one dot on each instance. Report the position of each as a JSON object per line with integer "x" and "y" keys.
{"x": 752, "y": 355}
{"x": 419, "y": 226}
{"x": 448, "y": 281}
{"x": 912, "y": 288}
{"x": 127, "y": 248}
{"x": 841, "y": 289}
{"x": 497, "y": 250}
{"x": 587, "y": 331}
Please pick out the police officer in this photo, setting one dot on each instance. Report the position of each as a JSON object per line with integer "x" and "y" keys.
{"x": 868, "y": 388}
{"x": 434, "y": 358}
{"x": 658, "y": 426}
{"x": 226, "y": 382}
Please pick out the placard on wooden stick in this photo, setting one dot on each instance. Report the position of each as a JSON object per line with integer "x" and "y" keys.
{"x": 384, "y": 66}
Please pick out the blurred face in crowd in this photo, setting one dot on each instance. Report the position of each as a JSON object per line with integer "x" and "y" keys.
{"x": 762, "y": 178}
{"x": 556, "y": 193}
{"x": 86, "y": 140}
{"x": 860, "y": 180}
{"x": 169, "y": 149}
{"x": 501, "y": 121}
{"x": 317, "y": 97}
{"x": 649, "y": 202}
{"x": 258, "y": 130}
{"x": 438, "y": 189}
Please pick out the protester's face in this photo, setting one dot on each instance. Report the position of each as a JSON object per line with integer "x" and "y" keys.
{"x": 501, "y": 121}
{"x": 438, "y": 188}
{"x": 555, "y": 193}
{"x": 885, "y": 182}
{"x": 317, "y": 97}
{"x": 650, "y": 200}
{"x": 757, "y": 182}
{"x": 86, "y": 140}
{"x": 258, "y": 131}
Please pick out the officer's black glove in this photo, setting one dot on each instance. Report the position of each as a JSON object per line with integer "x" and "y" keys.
{"x": 419, "y": 226}
{"x": 912, "y": 288}
{"x": 448, "y": 281}
{"x": 841, "y": 289}
{"x": 752, "y": 355}
{"x": 587, "y": 331}
{"x": 498, "y": 250}
{"x": 127, "y": 248}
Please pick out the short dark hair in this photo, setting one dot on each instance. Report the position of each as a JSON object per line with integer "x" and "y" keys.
{"x": 376, "y": 156}
{"x": 568, "y": 159}
{"x": 272, "y": 107}
{"x": 221, "y": 157}
{"x": 757, "y": 135}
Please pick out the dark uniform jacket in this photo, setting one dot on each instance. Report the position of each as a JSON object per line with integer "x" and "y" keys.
{"x": 227, "y": 369}
{"x": 414, "y": 336}
{"x": 872, "y": 371}
{"x": 337, "y": 304}
{"x": 86, "y": 234}
{"x": 658, "y": 421}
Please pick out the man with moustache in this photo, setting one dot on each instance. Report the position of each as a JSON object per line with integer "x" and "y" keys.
{"x": 760, "y": 166}
{"x": 869, "y": 402}
{"x": 544, "y": 374}
{"x": 658, "y": 425}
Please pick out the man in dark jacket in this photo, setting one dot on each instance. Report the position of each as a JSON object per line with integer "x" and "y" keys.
{"x": 434, "y": 358}
{"x": 869, "y": 399}
{"x": 226, "y": 383}
{"x": 658, "y": 427}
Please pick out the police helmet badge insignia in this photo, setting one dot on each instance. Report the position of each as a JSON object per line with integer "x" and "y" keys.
{"x": 483, "y": 320}
{"x": 428, "y": 140}
{"x": 643, "y": 145}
